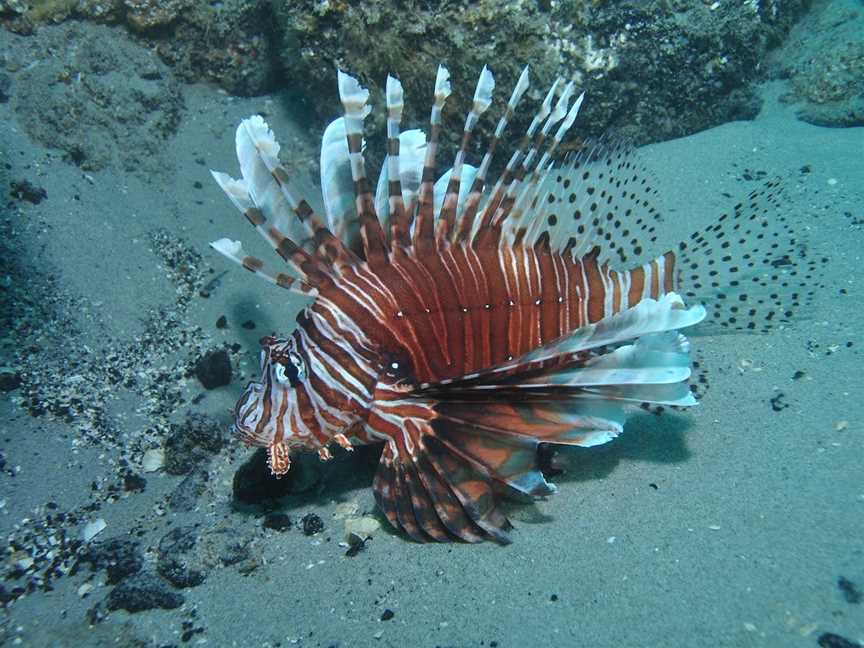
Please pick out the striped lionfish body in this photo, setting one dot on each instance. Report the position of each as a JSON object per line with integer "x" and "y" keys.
{"x": 463, "y": 321}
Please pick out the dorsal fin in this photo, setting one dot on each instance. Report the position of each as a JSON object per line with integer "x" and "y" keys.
{"x": 482, "y": 100}
{"x": 472, "y": 201}
{"x": 424, "y": 227}
{"x": 354, "y": 99}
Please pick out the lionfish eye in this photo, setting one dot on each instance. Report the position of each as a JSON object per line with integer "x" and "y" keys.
{"x": 290, "y": 369}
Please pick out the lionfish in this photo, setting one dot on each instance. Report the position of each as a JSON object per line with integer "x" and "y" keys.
{"x": 464, "y": 322}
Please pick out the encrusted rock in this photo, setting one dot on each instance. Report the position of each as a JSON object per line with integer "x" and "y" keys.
{"x": 150, "y": 14}
{"x": 187, "y": 555}
{"x": 214, "y": 369}
{"x": 119, "y": 557}
{"x": 99, "y": 99}
{"x": 143, "y": 592}
{"x": 823, "y": 60}
{"x": 652, "y": 70}
{"x": 192, "y": 443}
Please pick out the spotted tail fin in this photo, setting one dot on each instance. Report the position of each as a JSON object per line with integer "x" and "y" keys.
{"x": 751, "y": 268}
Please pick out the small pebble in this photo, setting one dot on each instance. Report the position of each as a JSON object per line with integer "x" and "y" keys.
{"x": 387, "y": 615}
{"x": 276, "y": 521}
{"x": 312, "y": 524}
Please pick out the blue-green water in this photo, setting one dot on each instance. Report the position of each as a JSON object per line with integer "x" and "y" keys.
{"x": 733, "y": 523}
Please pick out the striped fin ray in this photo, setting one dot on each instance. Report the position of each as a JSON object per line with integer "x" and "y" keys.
{"x": 472, "y": 201}
{"x": 258, "y": 154}
{"x": 507, "y": 177}
{"x": 528, "y": 164}
{"x": 391, "y": 173}
{"x": 354, "y": 100}
{"x": 531, "y": 177}
{"x": 424, "y": 225}
{"x": 234, "y": 251}
{"x": 337, "y": 184}
{"x": 263, "y": 197}
{"x": 412, "y": 148}
{"x": 482, "y": 100}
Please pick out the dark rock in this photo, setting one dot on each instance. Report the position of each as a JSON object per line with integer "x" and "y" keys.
{"x": 831, "y": 640}
{"x": 249, "y": 325}
{"x": 222, "y": 322}
{"x": 27, "y": 191}
{"x": 143, "y": 592}
{"x": 119, "y": 557}
{"x": 176, "y": 562}
{"x": 312, "y": 524}
{"x": 254, "y": 483}
{"x": 652, "y": 69}
{"x": 850, "y": 591}
{"x": 134, "y": 483}
{"x": 823, "y": 62}
{"x": 192, "y": 443}
{"x": 186, "y": 555}
{"x": 5, "y": 85}
{"x": 214, "y": 369}
{"x": 185, "y": 495}
{"x": 276, "y": 521}
{"x": 9, "y": 380}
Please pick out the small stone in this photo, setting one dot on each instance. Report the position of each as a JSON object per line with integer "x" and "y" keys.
{"x": 849, "y": 590}
{"x": 119, "y": 557}
{"x": 831, "y": 640}
{"x": 222, "y": 322}
{"x": 185, "y": 496}
{"x": 249, "y": 325}
{"x": 26, "y": 190}
{"x": 214, "y": 369}
{"x": 277, "y": 522}
{"x": 387, "y": 615}
{"x": 312, "y": 524}
{"x": 143, "y": 592}
{"x": 133, "y": 483}
{"x": 9, "y": 380}
{"x": 85, "y": 589}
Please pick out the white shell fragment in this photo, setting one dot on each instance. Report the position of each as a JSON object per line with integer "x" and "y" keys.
{"x": 153, "y": 460}
{"x": 363, "y": 527}
{"x": 92, "y": 529}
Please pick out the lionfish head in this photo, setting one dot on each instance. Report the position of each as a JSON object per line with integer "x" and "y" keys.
{"x": 267, "y": 414}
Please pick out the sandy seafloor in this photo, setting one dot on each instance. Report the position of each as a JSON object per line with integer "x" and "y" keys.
{"x": 728, "y": 525}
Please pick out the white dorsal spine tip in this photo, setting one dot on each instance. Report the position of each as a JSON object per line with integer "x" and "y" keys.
{"x": 571, "y": 117}
{"x": 351, "y": 93}
{"x": 483, "y": 93}
{"x": 229, "y": 248}
{"x": 521, "y": 86}
{"x": 394, "y": 94}
{"x": 561, "y": 106}
{"x": 442, "y": 85}
{"x": 546, "y": 107}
